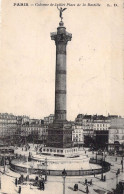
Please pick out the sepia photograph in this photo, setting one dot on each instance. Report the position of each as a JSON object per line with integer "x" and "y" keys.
{"x": 61, "y": 96}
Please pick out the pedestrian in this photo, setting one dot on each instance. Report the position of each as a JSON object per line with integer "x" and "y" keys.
{"x": 85, "y": 181}
{"x": 94, "y": 174}
{"x": 27, "y": 178}
{"x": 19, "y": 189}
{"x": 16, "y": 182}
{"x": 87, "y": 190}
{"x": 119, "y": 171}
{"x": 43, "y": 186}
{"x": 91, "y": 182}
{"x": 104, "y": 178}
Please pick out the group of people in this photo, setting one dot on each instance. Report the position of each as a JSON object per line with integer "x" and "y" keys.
{"x": 37, "y": 182}
{"x": 88, "y": 182}
{"x": 16, "y": 183}
{"x": 26, "y": 147}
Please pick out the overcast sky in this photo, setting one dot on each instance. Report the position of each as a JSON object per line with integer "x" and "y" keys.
{"x": 95, "y": 63}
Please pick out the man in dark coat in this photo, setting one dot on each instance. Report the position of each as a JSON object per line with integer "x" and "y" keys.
{"x": 19, "y": 189}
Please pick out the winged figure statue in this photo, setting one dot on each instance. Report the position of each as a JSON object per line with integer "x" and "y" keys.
{"x": 60, "y": 12}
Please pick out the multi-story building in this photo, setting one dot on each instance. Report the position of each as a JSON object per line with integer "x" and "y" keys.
{"x": 101, "y": 139}
{"x": 111, "y": 117}
{"x": 101, "y": 125}
{"x": 25, "y": 118}
{"x": 8, "y": 125}
{"x": 116, "y": 135}
{"x": 77, "y": 135}
{"x": 93, "y": 123}
{"x": 34, "y": 131}
{"x": 13, "y": 128}
{"x": 87, "y": 124}
{"x": 49, "y": 119}
{"x": 79, "y": 119}
{"x": 116, "y": 131}
{"x": 86, "y": 121}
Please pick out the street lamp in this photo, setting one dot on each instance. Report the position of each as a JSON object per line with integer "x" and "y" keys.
{"x": 0, "y": 180}
{"x": 96, "y": 157}
{"x": 4, "y": 161}
{"x": 45, "y": 169}
{"x": 104, "y": 154}
{"x": 102, "y": 168}
{"x": 64, "y": 174}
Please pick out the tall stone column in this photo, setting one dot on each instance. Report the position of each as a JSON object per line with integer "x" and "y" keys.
{"x": 60, "y": 131}
{"x": 61, "y": 38}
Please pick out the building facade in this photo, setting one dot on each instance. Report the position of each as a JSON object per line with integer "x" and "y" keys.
{"x": 77, "y": 135}
{"x": 34, "y": 132}
{"x": 49, "y": 119}
{"x": 116, "y": 131}
{"x": 116, "y": 136}
{"x": 8, "y": 125}
{"x": 101, "y": 125}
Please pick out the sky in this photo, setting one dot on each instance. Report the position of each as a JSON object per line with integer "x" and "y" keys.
{"x": 95, "y": 62}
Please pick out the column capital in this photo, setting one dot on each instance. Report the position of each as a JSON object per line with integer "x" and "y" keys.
{"x": 61, "y": 37}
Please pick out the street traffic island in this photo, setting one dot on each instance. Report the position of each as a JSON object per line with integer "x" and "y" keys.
{"x": 52, "y": 166}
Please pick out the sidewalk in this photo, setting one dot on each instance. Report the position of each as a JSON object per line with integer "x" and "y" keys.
{"x": 54, "y": 184}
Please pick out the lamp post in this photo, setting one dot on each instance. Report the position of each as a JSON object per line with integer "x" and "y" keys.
{"x": 4, "y": 162}
{"x": 0, "y": 180}
{"x": 104, "y": 155}
{"x": 102, "y": 168}
{"x": 45, "y": 169}
{"x": 96, "y": 157}
{"x": 64, "y": 174}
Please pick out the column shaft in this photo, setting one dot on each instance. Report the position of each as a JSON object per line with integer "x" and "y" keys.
{"x": 60, "y": 82}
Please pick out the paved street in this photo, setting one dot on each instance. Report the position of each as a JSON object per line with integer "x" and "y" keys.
{"x": 55, "y": 184}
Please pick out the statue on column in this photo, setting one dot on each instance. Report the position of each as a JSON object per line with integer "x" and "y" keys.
{"x": 60, "y": 12}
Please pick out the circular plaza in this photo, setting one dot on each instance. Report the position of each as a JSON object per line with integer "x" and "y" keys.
{"x": 76, "y": 166}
